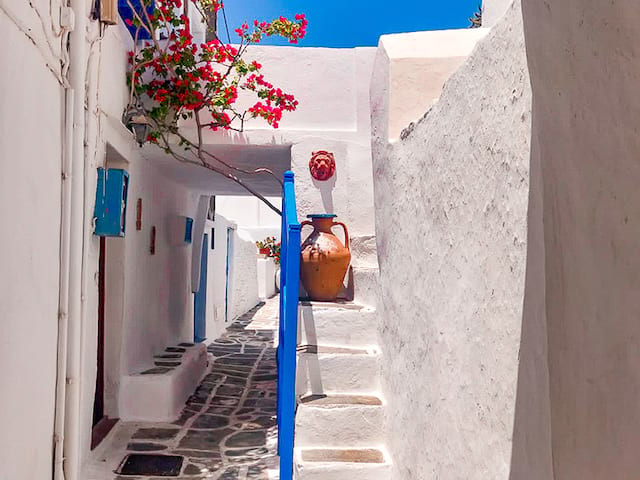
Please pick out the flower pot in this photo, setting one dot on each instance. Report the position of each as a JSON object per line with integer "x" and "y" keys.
{"x": 277, "y": 279}
{"x": 324, "y": 259}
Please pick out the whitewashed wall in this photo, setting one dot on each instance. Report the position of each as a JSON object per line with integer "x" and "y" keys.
{"x": 332, "y": 86}
{"x": 584, "y": 65}
{"x": 493, "y": 10}
{"x": 31, "y": 102}
{"x": 227, "y": 301}
{"x": 153, "y": 304}
{"x": 255, "y": 218}
{"x": 162, "y": 279}
{"x": 156, "y": 304}
{"x": 249, "y": 212}
{"x": 451, "y": 206}
{"x": 243, "y": 285}
{"x": 409, "y": 72}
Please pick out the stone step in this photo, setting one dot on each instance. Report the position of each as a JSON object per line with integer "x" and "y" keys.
{"x": 345, "y": 324}
{"x": 339, "y": 421}
{"x": 328, "y": 369}
{"x": 341, "y": 464}
{"x": 158, "y": 394}
{"x": 363, "y": 285}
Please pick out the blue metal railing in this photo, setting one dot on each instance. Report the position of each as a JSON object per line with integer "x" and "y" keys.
{"x": 288, "y": 326}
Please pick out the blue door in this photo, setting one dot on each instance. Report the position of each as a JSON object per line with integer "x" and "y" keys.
{"x": 200, "y": 297}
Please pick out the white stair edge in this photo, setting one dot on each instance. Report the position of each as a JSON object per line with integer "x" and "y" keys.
{"x": 339, "y": 426}
{"x": 322, "y": 373}
{"x": 341, "y": 470}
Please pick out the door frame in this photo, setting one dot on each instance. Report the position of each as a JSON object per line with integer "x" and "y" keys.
{"x": 101, "y": 423}
{"x": 200, "y": 297}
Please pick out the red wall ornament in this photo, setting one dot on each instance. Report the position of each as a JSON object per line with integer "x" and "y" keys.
{"x": 322, "y": 165}
{"x": 152, "y": 242}
{"x": 139, "y": 214}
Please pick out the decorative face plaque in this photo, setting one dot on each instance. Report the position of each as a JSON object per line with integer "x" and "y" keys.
{"x": 322, "y": 165}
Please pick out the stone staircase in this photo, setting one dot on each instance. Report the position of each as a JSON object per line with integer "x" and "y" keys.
{"x": 340, "y": 416}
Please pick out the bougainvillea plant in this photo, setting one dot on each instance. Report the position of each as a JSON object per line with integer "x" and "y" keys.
{"x": 173, "y": 80}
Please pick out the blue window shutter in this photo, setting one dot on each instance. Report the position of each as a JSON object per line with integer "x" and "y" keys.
{"x": 111, "y": 202}
{"x": 127, "y": 13}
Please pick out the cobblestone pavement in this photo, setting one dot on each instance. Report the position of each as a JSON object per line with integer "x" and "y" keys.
{"x": 227, "y": 428}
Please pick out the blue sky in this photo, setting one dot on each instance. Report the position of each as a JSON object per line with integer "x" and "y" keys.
{"x": 349, "y": 23}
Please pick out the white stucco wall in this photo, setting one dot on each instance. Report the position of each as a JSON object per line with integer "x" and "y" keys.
{"x": 227, "y": 301}
{"x": 31, "y": 101}
{"x": 243, "y": 282}
{"x": 332, "y": 86}
{"x": 152, "y": 302}
{"x": 584, "y": 72}
{"x": 249, "y": 212}
{"x": 154, "y": 299}
{"x": 451, "y": 205}
{"x": 164, "y": 278}
{"x": 493, "y": 10}
{"x": 416, "y": 66}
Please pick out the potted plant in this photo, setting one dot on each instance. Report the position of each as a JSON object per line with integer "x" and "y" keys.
{"x": 263, "y": 249}
{"x": 274, "y": 249}
{"x": 274, "y": 252}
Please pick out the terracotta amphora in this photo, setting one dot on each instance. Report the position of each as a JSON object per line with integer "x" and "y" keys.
{"x": 325, "y": 260}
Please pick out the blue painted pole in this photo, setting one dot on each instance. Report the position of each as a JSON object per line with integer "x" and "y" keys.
{"x": 283, "y": 263}
{"x": 288, "y": 322}
{"x": 288, "y": 397}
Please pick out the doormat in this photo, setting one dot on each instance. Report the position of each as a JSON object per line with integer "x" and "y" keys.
{"x": 148, "y": 464}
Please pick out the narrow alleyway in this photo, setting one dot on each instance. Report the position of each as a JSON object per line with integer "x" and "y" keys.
{"x": 227, "y": 428}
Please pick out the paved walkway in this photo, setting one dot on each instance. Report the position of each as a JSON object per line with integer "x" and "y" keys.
{"x": 227, "y": 429}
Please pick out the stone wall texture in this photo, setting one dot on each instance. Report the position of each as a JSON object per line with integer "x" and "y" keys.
{"x": 451, "y": 209}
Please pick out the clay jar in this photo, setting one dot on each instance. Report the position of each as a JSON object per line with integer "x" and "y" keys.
{"x": 325, "y": 260}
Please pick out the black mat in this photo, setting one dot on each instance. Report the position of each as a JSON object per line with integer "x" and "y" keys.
{"x": 146, "y": 464}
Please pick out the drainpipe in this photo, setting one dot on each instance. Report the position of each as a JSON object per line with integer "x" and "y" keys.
{"x": 77, "y": 74}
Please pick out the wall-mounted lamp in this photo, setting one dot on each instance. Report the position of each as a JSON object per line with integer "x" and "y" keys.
{"x": 136, "y": 122}
{"x": 108, "y": 11}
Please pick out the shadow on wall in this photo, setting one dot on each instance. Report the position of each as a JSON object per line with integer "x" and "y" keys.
{"x": 309, "y": 378}
{"x": 581, "y": 331}
{"x": 326, "y": 191}
{"x": 531, "y": 447}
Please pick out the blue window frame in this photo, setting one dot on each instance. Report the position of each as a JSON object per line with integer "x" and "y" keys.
{"x": 127, "y": 14}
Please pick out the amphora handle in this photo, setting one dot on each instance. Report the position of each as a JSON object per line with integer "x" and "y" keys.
{"x": 346, "y": 233}
{"x": 306, "y": 222}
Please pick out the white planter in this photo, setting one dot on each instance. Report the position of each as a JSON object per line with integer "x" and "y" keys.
{"x": 266, "y": 274}
{"x": 278, "y": 278}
